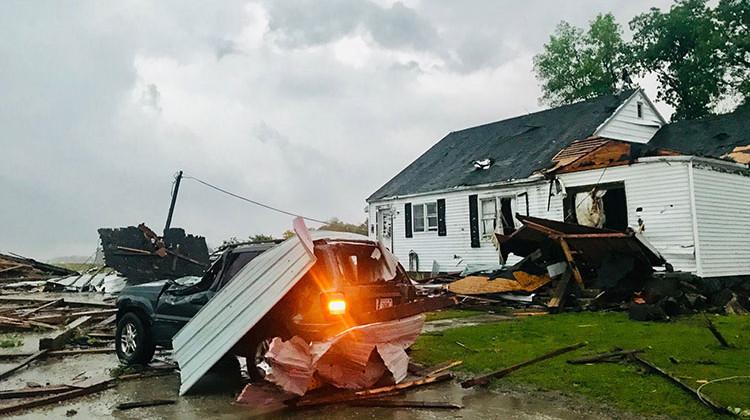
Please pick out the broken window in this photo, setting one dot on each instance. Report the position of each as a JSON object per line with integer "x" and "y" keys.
{"x": 602, "y": 206}
{"x": 425, "y": 217}
{"x": 489, "y": 217}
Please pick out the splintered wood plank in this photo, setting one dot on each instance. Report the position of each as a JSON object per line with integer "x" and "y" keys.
{"x": 22, "y": 364}
{"x": 44, "y": 306}
{"x": 57, "y": 340}
{"x": 571, "y": 262}
{"x": 561, "y": 289}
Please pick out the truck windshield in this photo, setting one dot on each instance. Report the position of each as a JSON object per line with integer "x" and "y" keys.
{"x": 363, "y": 264}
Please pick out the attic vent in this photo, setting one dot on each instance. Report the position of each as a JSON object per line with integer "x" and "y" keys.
{"x": 482, "y": 164}
{"x": 721, "y": 136}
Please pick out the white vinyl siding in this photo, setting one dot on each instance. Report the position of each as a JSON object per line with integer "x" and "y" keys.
{"x": 659, "y": 188}
{"x": 722, "y": 203}
{"x": 625, "y": 124}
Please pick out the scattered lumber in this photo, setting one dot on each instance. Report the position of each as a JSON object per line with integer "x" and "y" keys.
{"x": 22, "y": 364}
{"x": 60, "y": 318}
{"x": 347, "y": 396}
{"x": 464, "y": 346}
{"x": 24, "y": 323}
{"x": 406, "y": 404}
{"x": 64, "y": 396}
{"x": 59, "y": 353}
{"x": 711, "y": 327}
{"x": 57, "y": 341}
{"x": 558, "y": 296}
{"x": 35, "y": 392}
{"x": 604, "y": 357}
{"x": 75, "y": 302}
{"x": 138, "y": 404}
{"x": 443, "y": 367}
{"x": 652, "y": 367}
{"x": 109, "y": 320}
{"x": 43, "y": 306}
{"x": 482, "y": 380}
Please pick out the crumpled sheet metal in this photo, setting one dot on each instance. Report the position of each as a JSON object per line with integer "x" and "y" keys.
{"x": 353, "y": 359}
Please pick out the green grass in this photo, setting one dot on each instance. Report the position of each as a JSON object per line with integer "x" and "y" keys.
{"x": 625, "y": 386}
{"x": 451, "y": 313}
{"x": 10, "y": 340}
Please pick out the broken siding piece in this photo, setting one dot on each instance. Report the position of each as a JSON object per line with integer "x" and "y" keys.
{"x": 221, "y": 323}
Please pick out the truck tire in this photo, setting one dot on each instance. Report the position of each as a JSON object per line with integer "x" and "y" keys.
{"x": 132, "y": 340}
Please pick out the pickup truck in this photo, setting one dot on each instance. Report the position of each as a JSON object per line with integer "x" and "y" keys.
{"x": 350, "y": 281}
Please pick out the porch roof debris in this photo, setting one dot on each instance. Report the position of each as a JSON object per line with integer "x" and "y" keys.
{"x": 517, "y": 147}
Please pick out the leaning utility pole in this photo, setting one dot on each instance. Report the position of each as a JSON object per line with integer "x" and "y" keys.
{"x": 178, "y": 178}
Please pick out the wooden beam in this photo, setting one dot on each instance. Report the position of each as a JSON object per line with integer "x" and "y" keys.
{"x": 482, "y": 380}
{"x": 571, "y": 262}
{"x": 34, "y": 392}
{"x": 406, "y": 404}
{"x": 443, "y": 367}
{"x": 65, "y": 396}
{"x": 58, "y": 340}
{"x": 138, "y": 404}
{"x": 76, "y": 302}
{"x": 44, "y": 306}
{"x": 560, "y": 292}
{"x": 603, "y": 357}
{"x": 596, "y": 235}
{"x": 679, "y": 383}
{"x": 64, "y": 317}
{"x": 22, "y": 364}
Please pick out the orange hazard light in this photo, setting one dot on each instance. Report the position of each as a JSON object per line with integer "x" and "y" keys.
{"x": 334, "y": 303}
{"x": 337, "y": 307}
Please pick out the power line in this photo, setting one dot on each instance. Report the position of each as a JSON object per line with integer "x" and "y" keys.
{"x": 252, "y": 201}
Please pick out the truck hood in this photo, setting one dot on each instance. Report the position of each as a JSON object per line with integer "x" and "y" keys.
{"x": 150, "y": 291}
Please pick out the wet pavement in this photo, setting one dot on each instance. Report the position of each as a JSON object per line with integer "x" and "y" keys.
{"x": 217, "y": 394}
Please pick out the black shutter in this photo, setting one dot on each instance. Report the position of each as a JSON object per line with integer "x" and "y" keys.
{"x": 407, "y": 219}
{"x": 474, "y": 221}
{"x": 441, "y": 217}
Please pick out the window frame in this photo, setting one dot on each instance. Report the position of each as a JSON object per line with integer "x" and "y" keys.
{"x": 483, "y": 216}
{"x": 425, "y": 218}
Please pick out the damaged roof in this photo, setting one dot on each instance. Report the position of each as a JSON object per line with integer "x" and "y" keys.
{"x": 713, "y": 136}
{"x": 516, "y": 147}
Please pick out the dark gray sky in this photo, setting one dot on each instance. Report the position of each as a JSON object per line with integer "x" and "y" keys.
{"x": 305, "y": 105}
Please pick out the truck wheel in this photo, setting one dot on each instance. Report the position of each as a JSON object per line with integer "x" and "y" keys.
{"x": 132, "y": 340}
{"x": 256, "y": 358}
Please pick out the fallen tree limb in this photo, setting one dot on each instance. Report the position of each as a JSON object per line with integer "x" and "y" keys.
{"x": 604, "y": 357}
{"x": 650, "y": 366}
{"x": 500, "y": 373}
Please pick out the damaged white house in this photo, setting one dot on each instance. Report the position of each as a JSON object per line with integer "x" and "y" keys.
{"x": 610, "y": 162}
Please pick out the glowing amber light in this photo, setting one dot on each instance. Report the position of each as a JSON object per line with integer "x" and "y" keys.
{"x": 337, "y": 307}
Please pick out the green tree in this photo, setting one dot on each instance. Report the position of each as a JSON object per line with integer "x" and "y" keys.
{"x": 733, "y": 19}
{"x": 683, "y": 48}
{"x": 336, "y": 225}
{"x": 578, "y": 65}
{"x": 260, "y": 238}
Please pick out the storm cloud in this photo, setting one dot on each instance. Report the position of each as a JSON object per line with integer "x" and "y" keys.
{"x": 304, "y": 105}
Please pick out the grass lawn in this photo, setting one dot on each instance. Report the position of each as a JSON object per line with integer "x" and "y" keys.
{"x": 451, "y": 313}
{"x": 698, "y": 353}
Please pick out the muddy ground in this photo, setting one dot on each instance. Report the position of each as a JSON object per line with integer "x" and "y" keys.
{"x": 216, "y": 396}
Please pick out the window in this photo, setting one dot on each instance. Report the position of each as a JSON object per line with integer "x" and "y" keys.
{"x": 432, "y": 218}
{"x": 418, "y": 213}
{"x": 425, "y": 217}
{"x": 489, "y": 217}
{"x": 639, "y": 106}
